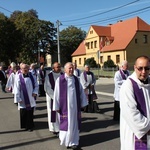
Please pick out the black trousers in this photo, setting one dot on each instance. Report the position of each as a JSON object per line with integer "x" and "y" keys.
{"x": 3, "y": 85}
{"x": 89, "y": 107}
{"x": 41, "y": 90}
{"x": 116, "y": 116}
{"x": 26, "y": 118}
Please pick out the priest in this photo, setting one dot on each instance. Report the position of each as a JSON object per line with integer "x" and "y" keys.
{"x": 135, "y": 107}
{"x": 69, "y": 97}
{"x": 26, "y": 91}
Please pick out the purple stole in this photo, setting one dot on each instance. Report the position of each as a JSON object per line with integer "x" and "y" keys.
{"x": 140, "y": 144}
{"x": 94, "y": 96}
{"x": 25, "y": 93}
{"x": 42, "y": 76}
{"x": 63, "y": 103}
{"x": 32, "y": 80}
{"x": 52, "y": 82}
{"x": 19, "y": 71}
{"x": 123, "y": 75}
{"x": 10, "y": 72}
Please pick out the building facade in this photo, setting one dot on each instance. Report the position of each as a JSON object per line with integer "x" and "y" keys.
{"x": 124, "y": 40}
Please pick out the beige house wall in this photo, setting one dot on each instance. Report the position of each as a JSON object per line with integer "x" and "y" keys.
{"x": 92, "y": 37}
{"x": 113, "y": 55}
{"x": 140, "y": 48}
{"x": 48, "y": 60}
{"x": 79, "y": 60}
{"x": 134, "y": 49}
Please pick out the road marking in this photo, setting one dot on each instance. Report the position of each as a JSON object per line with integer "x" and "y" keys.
{"x": 104, "y": 93}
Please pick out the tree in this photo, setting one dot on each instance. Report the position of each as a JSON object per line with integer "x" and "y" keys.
{"x": 109, "y": 64}
{"x": 10, "y": 40}
{"x": 91, "y": 62}
{"x": 70, "y": 38}
{"x": 37, "y": 34}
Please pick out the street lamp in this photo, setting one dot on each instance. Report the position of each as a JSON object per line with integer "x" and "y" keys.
{"x": 38, "y": 56}
{"x": 58, "y": 44}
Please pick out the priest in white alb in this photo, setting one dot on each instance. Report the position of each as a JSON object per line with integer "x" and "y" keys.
{"x": 135, "y": 107}
{"x": 49, "y": 85}
{"x": 69, "y": 98}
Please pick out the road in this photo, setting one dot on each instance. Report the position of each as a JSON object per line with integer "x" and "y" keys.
{"x": 98, "y": 132}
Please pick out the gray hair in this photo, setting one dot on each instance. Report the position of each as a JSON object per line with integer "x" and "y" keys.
{"x": 124, "y": 63}
{"x": 68, "y": 63}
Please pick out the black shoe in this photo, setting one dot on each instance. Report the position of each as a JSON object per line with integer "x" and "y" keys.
{"x": 30, "y": 130}
{"x": 98, "y": 111}
{"x": 26, "y": 129}
{"x": 75, "y": 147}
{"x": 68, "y": 147}
{"x": 56, "y": 133}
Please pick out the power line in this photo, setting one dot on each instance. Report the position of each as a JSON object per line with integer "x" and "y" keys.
{"x": 114, "y": 17}
{"x": 6, "y": 9}
{"x": 102, "y": 12}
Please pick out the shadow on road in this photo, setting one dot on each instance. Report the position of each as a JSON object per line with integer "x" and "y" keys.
{"x": 89, "y": 126}
{"x": 96, "y": 138}
{"x": 40, "y": 116}
{"x": 21, "y": 144}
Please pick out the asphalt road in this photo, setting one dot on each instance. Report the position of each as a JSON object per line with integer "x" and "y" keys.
{"x": 98, "y": 132}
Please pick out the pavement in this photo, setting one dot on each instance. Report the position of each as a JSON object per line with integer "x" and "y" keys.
{"x": 98, "y": 132}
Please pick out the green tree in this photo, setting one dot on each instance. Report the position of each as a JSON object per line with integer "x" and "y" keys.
{"x": 70, "y": 38}
{"x": 10, "y": 40}
{"x": 37, "y": 34}
{"x": 109, "y": 64}
{"x": 91, "y": 62}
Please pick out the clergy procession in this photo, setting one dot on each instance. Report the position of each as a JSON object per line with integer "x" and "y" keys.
{"x": 71, "y": 94}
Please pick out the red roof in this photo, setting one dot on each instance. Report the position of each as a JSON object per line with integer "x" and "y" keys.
{"x": 80, "y": 50}
{"x": 121, "y": 33}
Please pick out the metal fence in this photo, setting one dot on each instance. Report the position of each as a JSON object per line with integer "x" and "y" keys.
{"x": 103, "y": 72}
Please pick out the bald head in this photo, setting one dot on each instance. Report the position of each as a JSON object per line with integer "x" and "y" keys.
{"x": 142, "y": 67}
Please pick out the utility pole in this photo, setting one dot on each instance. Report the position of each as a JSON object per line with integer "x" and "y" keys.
{"x": 58, "y": 44}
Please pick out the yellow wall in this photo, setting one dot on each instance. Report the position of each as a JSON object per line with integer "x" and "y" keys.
{"x": 140, "y": 48}
{"x": 76, "y": 59}
{"x": 113, "y": 56}
{"x": 132, "y": 51}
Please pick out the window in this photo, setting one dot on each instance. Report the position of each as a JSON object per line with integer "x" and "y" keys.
{"x": 136, "y": 41}
{"x": 80, "y": 61}
{"x": 84, "y": 59}
{"x": 101, "y": 59}
{"x": 144, "y": 38}
{"x": 117, "y": 59}
{"x": 91, "y": 32}
{"x": 109, "y": 57}
{"x": 92, "y": 44}
{"x": 95, "y": 44}
{"x": 75, "y": 61}
{"x": 88, "y": 45}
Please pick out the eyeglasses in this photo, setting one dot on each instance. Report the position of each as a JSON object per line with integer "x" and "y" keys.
{"x": 143, "y": 68}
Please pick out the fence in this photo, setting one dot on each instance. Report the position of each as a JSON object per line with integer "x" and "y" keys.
{"x": 103, "y": 72}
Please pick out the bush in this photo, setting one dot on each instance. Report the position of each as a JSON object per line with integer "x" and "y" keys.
{"x": 109, "y": 64}
{"x": 91, "y": 62}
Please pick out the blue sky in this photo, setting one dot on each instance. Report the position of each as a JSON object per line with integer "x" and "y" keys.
{"x": 81, "y": 13}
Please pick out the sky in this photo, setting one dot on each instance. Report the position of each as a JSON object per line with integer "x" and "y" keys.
{"x": 81, "y": 13}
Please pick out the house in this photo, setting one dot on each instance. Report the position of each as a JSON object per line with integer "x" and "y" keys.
{"x": 124, "y": 40}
